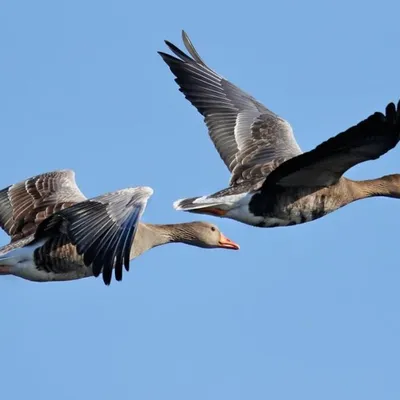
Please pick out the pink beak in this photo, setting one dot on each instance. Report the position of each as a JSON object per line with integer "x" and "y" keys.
{"x": 226, "y": 243}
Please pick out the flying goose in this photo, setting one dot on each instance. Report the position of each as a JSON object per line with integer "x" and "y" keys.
{"x": 273, "y": 183}
{"x": 57, "y": 234}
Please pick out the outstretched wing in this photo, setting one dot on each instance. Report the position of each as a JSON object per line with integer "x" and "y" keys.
{"x": 24, "y": 205}
{"x": 250, "y": 138}
{"x": 102, "y": 229}
{"x": 323, "y": 166}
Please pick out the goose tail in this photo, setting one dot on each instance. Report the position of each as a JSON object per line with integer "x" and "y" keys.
{"x": 202, "y": 205}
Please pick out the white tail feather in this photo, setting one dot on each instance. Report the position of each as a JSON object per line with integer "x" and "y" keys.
{"x": 196, "y": 203}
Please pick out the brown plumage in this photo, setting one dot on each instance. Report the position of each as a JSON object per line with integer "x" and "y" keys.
{"x": 57, "y": 234}
{"x": 273, "y": 183}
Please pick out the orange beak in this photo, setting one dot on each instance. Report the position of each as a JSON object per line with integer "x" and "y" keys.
{"x": 226, "y": 243}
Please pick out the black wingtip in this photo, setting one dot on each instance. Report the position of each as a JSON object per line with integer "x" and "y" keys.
{"x": 168, "y": 59}
{"x": 390, "y": 109}
{"x": 107, "y": 277}
{"x": 178, "y": 52}
{"x": 392, "y": 114}
{"x": 118, "y": 274}
{"x": 96, "y": 273}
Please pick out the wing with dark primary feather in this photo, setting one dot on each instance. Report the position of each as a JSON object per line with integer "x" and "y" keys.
{"x": 24, "y": 205}
{"x": 324, "y": 165}
{"x": 102, "y": 229}
{"x": 251, "y": 139}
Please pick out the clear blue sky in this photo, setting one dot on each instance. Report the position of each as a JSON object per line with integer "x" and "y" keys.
{"x": 307, "y": 312}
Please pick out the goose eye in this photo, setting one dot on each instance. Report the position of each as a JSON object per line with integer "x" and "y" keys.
{"x": 213, "y": 229}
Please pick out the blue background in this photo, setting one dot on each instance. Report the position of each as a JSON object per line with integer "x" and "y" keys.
{"x": 306, "y": 312}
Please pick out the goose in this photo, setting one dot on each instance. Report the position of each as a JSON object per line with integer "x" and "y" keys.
{"x": 273, "y": 183}
{"x": 57, "y": 234}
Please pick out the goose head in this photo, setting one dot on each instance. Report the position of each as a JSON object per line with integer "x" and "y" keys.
{"x": 206, "y": 235}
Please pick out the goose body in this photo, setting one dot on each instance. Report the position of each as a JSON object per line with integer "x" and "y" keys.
{"x": 59, "y": 235}
{"x": 273, "y": 183}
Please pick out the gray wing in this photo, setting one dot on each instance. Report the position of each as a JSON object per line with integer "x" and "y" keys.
{"x": 25, "y": 204}
{"x": 324, "y": 165}
{"x": 250, "y": 139}
{"x": 102, "y": 229}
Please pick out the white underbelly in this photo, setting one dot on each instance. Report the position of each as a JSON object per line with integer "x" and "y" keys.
{"x": 265, "y": 221}
{"x": 29, "y": 271}
{"x": 243, "y": 215}
{"x": 271, "y": 222}
{"x": 21, "y": 263}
